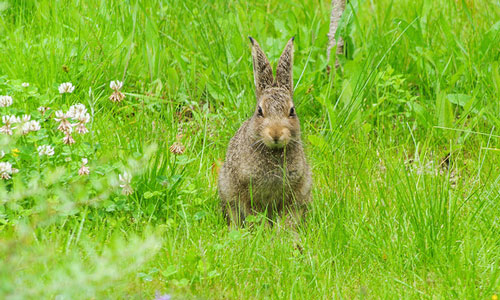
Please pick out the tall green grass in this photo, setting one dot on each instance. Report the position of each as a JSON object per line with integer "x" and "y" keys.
{"x": 391, "y": 217}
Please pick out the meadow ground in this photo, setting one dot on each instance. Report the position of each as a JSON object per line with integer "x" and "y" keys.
{"x": 402, "y": 142}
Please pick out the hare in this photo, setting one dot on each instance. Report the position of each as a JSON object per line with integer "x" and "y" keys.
{"x": 265, "y": 168}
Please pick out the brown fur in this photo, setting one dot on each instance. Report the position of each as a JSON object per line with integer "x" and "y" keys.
{"x": 265, "y": 167}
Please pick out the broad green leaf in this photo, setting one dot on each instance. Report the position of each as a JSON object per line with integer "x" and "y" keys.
{"x": 458, "y": 99}
{"x": 444, "y": 111}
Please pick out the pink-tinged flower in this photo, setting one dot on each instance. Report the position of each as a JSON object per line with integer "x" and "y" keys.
{"x": 5, "y": 101}
{"x": 159, "y": 296}
{"x": 116, "y": 85}
{"x": 125, "y": 180}
{"x": 66, "y": 87}
{"x": 25, "y": 84}
{"x": 8, "y": 121}
{"x": 117, "y": 96}
{"x": 68, "y": 139}
{"x": 64, "y": 124}
{"x": 45, "y": 150}
{"x": 81, "y": 129}
{"x": 6, "y": 170}
{"x": 84, "y": 170}
{"x": 177, "y": 148}
{"x": 6, "y": 130}
{"x": 43, "y": 109}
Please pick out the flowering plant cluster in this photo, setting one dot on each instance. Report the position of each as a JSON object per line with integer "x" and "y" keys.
{"x": 37, "y": 135}
{"x": 26, "y": 125}
{"x": 117, "y": 95}
{"x": 76, "y": 117}
{"x": 17, "y": 126}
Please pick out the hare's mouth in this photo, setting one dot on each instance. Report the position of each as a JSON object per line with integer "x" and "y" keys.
{"x": 276, "y": 137}
{"x": 275, "y": 143}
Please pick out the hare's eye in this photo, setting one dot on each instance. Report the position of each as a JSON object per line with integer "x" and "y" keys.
{"x": 259, "y": 111}
{"x": 292, "y": 112}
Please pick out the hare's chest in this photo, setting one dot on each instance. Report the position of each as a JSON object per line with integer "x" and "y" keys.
{"x": 273, "y": 187}
{"x": 272, "y": 177}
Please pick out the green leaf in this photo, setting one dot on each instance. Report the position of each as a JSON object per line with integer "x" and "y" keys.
{"x": 458, "y": 99}
{"x": 169, "y": 271}
{"x": 444, "y": 111}
{"x": 235, "y": 235}
{"x": 149, "y": 195}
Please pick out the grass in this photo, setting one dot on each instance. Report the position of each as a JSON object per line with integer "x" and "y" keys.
{"x": 391, "y": 217}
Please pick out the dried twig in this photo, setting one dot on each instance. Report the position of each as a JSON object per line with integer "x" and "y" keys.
{"x": 338, "y": 7}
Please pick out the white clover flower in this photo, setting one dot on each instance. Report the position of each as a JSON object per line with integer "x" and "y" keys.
{"x": 66, "y": 87}
{"x": 125, "y": 180}
{"x": 25, "y": 128}
{"x": 5, "y": 101}
{"x": 76, "y": 111}
{"x": 68, "y": 139}
{"x": 80, "y": 128}
{"x": 127, "y": 190}
{"x": 34, "y": 125}
{"x": 25, "y": 84}
{"x": 6, "y": 170}
{"x": 43, "y": 109}
{"x": 26, "y": 124}
{"x": 8, "y": 121}
{"x": 12, "y": 119}
{"x": 6, "y": 130}
{"x": 177, "y": 148}
{"x": 83, "y": 118}
{"x": 84, "y": 170}
{"x": 45, "y": 150}
{"x": 117, "y": 96}
{"x": 79, "y": 113}
{"x": 115, "y": 85}
{"x": 64, "y": 124}
{"x": 60, "y": 115}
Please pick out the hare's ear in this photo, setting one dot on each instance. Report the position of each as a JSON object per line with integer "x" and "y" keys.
{"x": 284, "y": 72}
{"x": 262, "y": 71}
